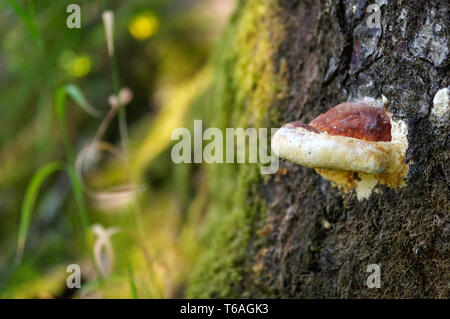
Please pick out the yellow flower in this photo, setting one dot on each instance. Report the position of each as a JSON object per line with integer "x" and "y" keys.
{"x": 76, "y": 65}
{"x": 81, "y": 66}
{"x": 143, "y": 26}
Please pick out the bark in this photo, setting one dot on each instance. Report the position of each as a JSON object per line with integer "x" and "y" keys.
{"x": 304, "y": 237}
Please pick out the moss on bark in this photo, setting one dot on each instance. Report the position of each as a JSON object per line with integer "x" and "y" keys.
{"x": 292, "y": 234}
{"x": 246, "y": 85}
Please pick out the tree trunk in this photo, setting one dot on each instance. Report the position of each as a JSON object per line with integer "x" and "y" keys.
{"x": 293, "y": 234}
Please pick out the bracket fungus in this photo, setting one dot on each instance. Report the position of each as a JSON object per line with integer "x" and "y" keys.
{"x": 355, "y": 145}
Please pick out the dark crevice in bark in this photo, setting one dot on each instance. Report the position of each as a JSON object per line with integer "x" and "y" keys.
{"x": 347, "y": 52}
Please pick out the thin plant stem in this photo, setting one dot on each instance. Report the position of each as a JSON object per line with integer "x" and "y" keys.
{"x": 123, "y": 129}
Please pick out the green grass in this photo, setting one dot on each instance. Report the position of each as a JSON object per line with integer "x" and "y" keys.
{"x": 61, "y": 110}
{"x": 28, "y": 20}
{"x": 77, "y": 95}
{"x": 48, "y": 169}
{"x": 37, "y": 122}
{"x": 132, "y": 282}
{"x": 29, "y": 201}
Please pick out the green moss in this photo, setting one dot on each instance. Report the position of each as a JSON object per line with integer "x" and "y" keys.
{"x": 245, "y": 86}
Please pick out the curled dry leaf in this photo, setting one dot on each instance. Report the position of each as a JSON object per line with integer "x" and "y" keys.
{"x": 117, "y": 196}
{"x": 103, "y": 251}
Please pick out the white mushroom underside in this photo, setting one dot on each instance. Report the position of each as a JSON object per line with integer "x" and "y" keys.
{"x": 320, "y": 150}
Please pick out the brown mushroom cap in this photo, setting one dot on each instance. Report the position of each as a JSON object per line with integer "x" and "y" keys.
{"x": 361, "y": 121}
{"x": 302, "y": 125}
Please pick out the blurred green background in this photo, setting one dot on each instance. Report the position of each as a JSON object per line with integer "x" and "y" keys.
{"x": 163, "y": 52}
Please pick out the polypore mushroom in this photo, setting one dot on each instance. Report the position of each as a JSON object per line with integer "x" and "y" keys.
{"x": 353, "y": 145}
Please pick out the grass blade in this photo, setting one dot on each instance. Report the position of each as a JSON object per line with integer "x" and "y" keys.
{"x": 61, "y": 108}
{"x": 27, "y": 20}
{"x": 77, "y": 95}
{"x": 30, "y": 200}
{"x": 60, "y": 100}
{"x": 79, "y": 197}
{"x": 131, "y": 280}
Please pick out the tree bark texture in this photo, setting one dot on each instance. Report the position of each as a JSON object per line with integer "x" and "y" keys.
{"x": 304, "y": 237}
